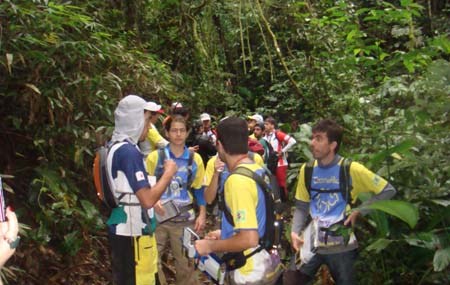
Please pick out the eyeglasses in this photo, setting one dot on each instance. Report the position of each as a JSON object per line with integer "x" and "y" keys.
{"x": 175, "y": 131}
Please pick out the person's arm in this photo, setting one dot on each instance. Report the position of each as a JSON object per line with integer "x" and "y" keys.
{"x": 290, "y": 142}
{"x": 8, "y": 234}
{"x": 387, "y": 193}
{"x": 242, "y": 240}
{"x": 148, "y": 196}
{"x": 300, "y": 217}
{"x": 215, "y": 165}
{"x": 364, "y": 180}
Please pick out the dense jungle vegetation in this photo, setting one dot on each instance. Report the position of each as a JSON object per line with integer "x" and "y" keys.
{"x": 381, "y": 68}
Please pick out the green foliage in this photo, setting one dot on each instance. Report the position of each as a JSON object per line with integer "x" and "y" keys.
{"x": 379, "y": 67}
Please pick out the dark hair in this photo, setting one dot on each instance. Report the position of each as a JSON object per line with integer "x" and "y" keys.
{"x": 333, "y": 130}
{"x": 182, "y": 111}
{"x": 271, "y": 121}
{"x": 260, "y": 125}
{"x": 175, "y": 119}
{"x": 233, "y": 135}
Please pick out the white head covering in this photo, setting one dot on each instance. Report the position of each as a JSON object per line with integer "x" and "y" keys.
{"x": 205, "y": 117}
{"x": 129, "y": 119}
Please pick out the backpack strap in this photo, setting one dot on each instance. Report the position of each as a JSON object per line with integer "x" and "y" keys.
{"x": 344, "y": 179}
{"x": 244, "y": 172}
{"x": 162, "y": 156}
{"x": 308, "y": 175}
{"x": 251, "y": 155}
{"x": 345, "y": 186}
{"x": 159, "y": 169}
{"x": 190, "y": 177}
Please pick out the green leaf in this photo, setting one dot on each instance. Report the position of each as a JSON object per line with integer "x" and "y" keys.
{"x": 405, "y": 211}
{"x": 441, "y": 259}
{"x": 379, "y": 245}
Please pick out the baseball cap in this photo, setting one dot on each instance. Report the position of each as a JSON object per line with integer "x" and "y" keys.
{"x": 205, "y": 117}
{"x": 153, "y": 107}
{"x": 176, "y": 105}
{"x": 256, "y": 117}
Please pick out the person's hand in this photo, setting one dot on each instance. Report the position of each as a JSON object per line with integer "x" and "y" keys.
{"x": 10, "y": 228}
{"x": 194, "y": 148}
{"x": 214, "y": 235}
{"x": 200, "y": 222}
{"x": 159, "y": 209}
{"x": 351, "y": 220}
{"x": 203, "y": 246}
{"x": 219, "y": 165}
{"x": 170, "y": 167}
{"x": 280, "y": 153}
{"x": 296, "y": 241}
{"x": 8, "y": 235}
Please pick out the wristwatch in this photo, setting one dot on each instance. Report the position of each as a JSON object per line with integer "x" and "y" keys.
{"x": 15, "y": 243}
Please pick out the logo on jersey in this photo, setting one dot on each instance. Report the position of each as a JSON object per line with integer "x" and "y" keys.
{"x": 326, "y": 180}
{"x": 376, "y": 180}
{"x": 140, "y": 176}
{"x": 241, "y": 216}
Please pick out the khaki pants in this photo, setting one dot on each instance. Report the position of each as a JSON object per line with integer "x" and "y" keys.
{"x": 171, "y": 233}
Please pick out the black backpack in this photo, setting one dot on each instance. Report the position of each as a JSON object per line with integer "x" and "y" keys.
{"x": 271, "y": 197}
{"x": 345, "y": 186}
{"x": 271, "y": 159}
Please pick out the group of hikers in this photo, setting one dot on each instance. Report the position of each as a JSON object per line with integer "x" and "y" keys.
{"x": 189, "y": 168}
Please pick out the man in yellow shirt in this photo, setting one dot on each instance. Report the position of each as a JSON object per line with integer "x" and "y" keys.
{"x": 154, "y": 140}
{"x": 246, "y": 203}
{"x": 323, "y": 197}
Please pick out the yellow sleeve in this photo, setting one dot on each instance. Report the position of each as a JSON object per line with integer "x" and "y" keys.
{"x": 209, "y": 171}
{"x": 152, "y": 161}
{"x": 301, "y": 193}
{"x": 258, "y": 159}
{"x": 154, "y": 137}
{"x": 241, "y": 196}
{"x": 199, "y": 176}
{"x": 364, "y": 180}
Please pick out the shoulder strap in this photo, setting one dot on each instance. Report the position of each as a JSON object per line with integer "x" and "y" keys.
{"x": 190, "y": 177}
{"x": 250, "y": 174}
{"x": 251, "y": 155}
{"x": 308, "y": 175}
{"x": 159, "y": 169}
{"x": 344, "y": 179}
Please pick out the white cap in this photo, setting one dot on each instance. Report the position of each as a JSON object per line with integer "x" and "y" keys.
{"x": 176, "y": 105}
{"x": 257, "y": 117}
{"x": 153, "y": 107}
{"x": 205, "y": 117}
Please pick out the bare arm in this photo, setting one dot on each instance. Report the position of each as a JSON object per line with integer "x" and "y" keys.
{"x": 243, "y": 240}
{"x": 211, "y": 191}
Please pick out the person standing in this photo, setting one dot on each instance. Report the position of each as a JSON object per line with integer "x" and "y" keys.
{"x": 207, "y": 129}
{"x": 131, "y": 224}
{"x": 322, "y": 197}
{"x": 252, "y": 121}
{"x": 246, "y": 203}
{"x": 189, "y": 177}
{"x": 281, "y": 143}
{"x": 154, "y": 139}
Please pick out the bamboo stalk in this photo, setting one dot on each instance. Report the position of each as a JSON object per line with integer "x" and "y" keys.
{"x": 278, "y": 50}
{"x": 242, "y": 37}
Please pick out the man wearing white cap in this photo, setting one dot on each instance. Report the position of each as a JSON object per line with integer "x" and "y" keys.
{"x": 131, "y": 224}
{"x": 251, "y": 122}
{"x": 207, "y": 131}
{"x": 154, "y": 140}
